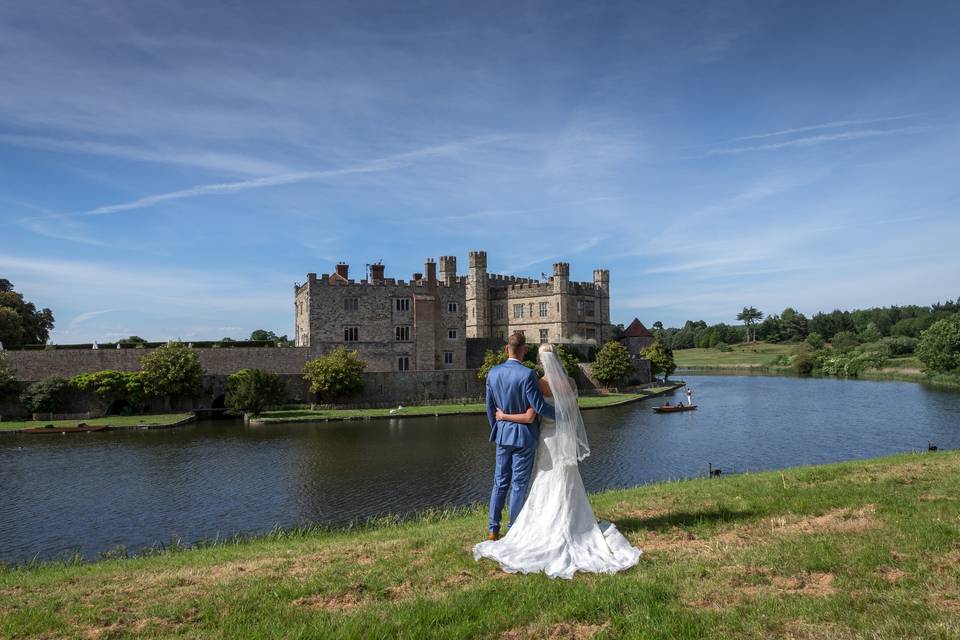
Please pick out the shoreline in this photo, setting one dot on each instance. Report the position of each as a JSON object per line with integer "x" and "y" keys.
{"x": 763, "y": 370}
{"x": 736, "y": 556}
{"x": 427, "y": 411}
{"x": 187, "y": 417}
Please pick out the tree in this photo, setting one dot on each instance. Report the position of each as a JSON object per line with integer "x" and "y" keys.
{"x": 612, "y": 363}
{"x": 113, "y": 386}
{"x": 569, "y": 360}
{"x": 844, "y": 341}
{"x": 8, "y": 382}
{"x": 335, "y": 375}
{"x": 939, "y": 346}
{"x": 46, "y": 396}
{"x": 250, "y": 391}
{"x": 815, "y": 340}
{"x": 750, "y": 316}
{"x": 793, "y": 324}
{"x": 661, "y": 359}
{"x": 31, "y": 326}
{"x": 172, "y": 370}
{"x": 262, "y": 335}
{"x": 133, "y": 340}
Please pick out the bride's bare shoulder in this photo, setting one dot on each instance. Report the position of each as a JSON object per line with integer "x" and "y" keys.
{"x": 544, "y": 387}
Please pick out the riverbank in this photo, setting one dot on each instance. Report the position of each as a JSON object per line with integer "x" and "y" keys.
{"x": 116, "y": 422}
{"x": 851, "y": 550}
{"x": 476, "y": 408}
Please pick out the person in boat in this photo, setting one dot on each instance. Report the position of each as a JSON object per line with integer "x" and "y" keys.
{"x": 689, "y": 397}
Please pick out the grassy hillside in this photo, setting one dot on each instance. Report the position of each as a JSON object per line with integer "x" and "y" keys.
{"x": 755, "y": 354}
{"x": 854, "y": 550}
{"x": 116, "y": 421}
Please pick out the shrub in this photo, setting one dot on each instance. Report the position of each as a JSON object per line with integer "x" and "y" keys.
{"x": 899, "y": 345}
{"x": 939, "y": 346}
{"x": 336, "y": 375}
{"x": 612, "y": 363}
{"x": 8, "y": 383}
{"x": 47, "y": 396}
{"x": 815, "y": 340}
{"x": 172, "y": 370}
{"x": 844, "y": 341}
{"x": 723, "y": 347}
{"x": 661, "y": 359}
{"x": 250, "y": 391}
{"x": 490, "y": 360}
{"x": 112, "y": 386}
{"x": 569, "y": 360}
{"x": 802, "y": 363}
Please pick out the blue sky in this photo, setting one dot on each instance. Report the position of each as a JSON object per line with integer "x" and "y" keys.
{"x": 171, "y": 170}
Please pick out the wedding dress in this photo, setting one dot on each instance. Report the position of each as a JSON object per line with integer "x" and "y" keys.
{"x": 556, "y": 532}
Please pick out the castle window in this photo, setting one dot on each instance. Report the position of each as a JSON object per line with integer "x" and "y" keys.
{"x": 499, "y": 312}
{"x": 403, "y": 363}
{"x": 448, "y": 357}
{"x": 591, "y": 308}
{"x": 499, "y": 334}
{"x": 351, "y": 334}
{"x": 403, "y": 334}
{"x": 351, "y": 304}
{"x": 451, "y": 334}
{"x": 544, "y": 335}
{"x": 402, "y": 304}
{"x": 453, "y": 307}
{"x": 518, "y": 310}
{"x": 543, "y": 309}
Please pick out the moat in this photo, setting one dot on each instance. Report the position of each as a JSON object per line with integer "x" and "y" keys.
{"x": 94, "y": 492}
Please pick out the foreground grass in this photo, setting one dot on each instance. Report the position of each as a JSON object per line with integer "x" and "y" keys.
{"x": 749, "y": 355}
{"x": 865, "y": 549}
{"x": 310, "y": 415}
{"x": 116, "y": 421}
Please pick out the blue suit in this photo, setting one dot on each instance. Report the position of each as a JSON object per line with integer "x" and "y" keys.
{"x": 513, "y": 388}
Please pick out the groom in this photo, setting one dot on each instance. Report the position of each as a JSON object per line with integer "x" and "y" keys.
{"x": 513, "y": 388}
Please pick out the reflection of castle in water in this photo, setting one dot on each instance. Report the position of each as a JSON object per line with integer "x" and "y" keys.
{"x": 424, "y": 323}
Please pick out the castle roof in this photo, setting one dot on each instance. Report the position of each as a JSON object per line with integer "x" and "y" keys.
{"x": 637, "y": 330}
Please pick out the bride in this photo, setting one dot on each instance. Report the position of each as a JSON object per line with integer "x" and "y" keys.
{"x": 556, "y": 532}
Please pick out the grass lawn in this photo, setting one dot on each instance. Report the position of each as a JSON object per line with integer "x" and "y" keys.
{"x": 866, "y": 549}
{"x": 757, "y": 354}
{"x": 116, "y": 421}
{"x": 307, "y": 415}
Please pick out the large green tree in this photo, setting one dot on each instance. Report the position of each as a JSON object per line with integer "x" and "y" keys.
{"x": 612, "y": 363}
{"x": 750, "y": 316}
{"x": 172, "y": 370}
{"x": 111, "y": 386}
{"x": 20, "y": 321}
{"x": 336, "y": 375}
{"x": 250, "y": 391}
{"x": 46, "y": 396}
{"x": 8, "y": 382}
{"x": 939, "y": 346}
{"x": 661, "y": 359}
{"x": 260, "y": 335}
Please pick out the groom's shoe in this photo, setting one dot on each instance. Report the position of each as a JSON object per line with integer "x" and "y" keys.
{"x": 493, "y": 535}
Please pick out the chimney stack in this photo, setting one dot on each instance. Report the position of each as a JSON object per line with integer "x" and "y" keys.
{"x": 431, "y": 268}
{"x": 376, "y": 273}
{"x": 343, "y": 269}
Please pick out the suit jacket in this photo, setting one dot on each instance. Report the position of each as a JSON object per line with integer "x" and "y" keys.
{"x": 514, "y": 388}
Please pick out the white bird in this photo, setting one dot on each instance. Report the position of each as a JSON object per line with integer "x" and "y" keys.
{"x": 399, "y": 408}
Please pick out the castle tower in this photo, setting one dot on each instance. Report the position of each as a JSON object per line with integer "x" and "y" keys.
{"x": 601, "y": 279}
{"x": 448, "y": 270}
{"x": 478, "y": 297}
{"x": 561, "y": 276}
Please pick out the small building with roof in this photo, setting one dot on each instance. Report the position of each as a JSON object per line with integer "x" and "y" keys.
{"x": 636, "y": 338}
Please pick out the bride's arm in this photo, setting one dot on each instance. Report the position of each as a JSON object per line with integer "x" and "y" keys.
{"x": 522, "y": 418}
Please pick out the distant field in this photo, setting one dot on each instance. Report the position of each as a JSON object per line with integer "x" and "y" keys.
{"x": 116, "y": 421}
{"x": 759, "y": 354}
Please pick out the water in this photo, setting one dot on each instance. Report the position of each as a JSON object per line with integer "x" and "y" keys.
{"x": 95, "y": 491}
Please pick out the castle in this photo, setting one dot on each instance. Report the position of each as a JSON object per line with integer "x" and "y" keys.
{"x": 424, "y": 324}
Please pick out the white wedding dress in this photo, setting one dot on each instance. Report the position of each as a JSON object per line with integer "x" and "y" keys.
{"x": 557, "y": 533}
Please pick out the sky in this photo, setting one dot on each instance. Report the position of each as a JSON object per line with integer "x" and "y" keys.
{"x": 170, "y": 170}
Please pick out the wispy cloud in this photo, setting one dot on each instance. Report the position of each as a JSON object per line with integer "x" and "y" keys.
{"x": 811, "y": 141}
{"x": 826, "y": 125}
{"x": 589, "y": 244}
{"x": 210, "y": 160}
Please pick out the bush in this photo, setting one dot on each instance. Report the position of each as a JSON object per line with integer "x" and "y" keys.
{"x": 250, "y": 391}
{"x": 47, "y": 396}
{"x": 490, "y": 360}
{"x": 802, "y": 363}
{"x": 939, "y": 346}
{"x": 8, "y": 383}
{"x": 899, "y": 345}
{"x": 113, "y": 386}
{"x": 661, "y": 359}
{"x": 336, "y": 375}
{"x": 612, "y": 363}
{"x": 815, "y": 340}
{"x": 172, "y": 370}
{"x": 569, "y": 360}
{"x": 723, "y": 347}
{"x": 844, "y": 341}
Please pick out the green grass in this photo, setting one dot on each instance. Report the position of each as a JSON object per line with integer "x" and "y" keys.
{"x": 750, "y": 355}
{"x": 116, "y": 421}
{"x": 308, "y": 415}
{"x": 865, "y": 549}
